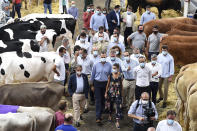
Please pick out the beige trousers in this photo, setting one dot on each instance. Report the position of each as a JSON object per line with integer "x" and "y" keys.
{"x": 128, "y": 92}
{"x": 79, "y": 101}
{"x": 165, "y": 82}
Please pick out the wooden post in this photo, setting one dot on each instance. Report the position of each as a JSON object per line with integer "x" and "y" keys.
{"x": 186, "y": 6}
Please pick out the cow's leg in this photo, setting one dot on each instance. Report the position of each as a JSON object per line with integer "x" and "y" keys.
{"x": 159, "y": 12}
{"x": 26, "y": 4}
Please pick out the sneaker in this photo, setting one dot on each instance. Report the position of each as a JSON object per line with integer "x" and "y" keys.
{"x": 160, "y": 99}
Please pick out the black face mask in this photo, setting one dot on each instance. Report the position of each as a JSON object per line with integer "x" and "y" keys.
{"x": 140, "y": 31}
{"x": 43, "y": 32}
{"x": 155, "y": 32}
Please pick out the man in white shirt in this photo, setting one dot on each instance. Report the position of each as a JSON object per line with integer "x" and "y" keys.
{"x": 156, "y": 72}
{"x": 116, "y": 43}
{"x": 66, "y": 57}
{"x": 167, "y": 64}
{"x": 120, "y": 37}
{"x": 142, "y": 74}
{"x": 95, "y": 57}
{"x": 169, "y": 124}
{"x": 127, "y": 67}
{"x": 136, "y": 54}
{"x": 83, "y": 43}
{"x": 112, "y": 59}
{"x": 42, "y": 39}
{"x": 59, "y": 67}
{"x": 105, "y": 35}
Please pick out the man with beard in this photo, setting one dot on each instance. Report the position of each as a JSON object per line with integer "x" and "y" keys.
{"x": 138, "y": 39}
{"x": 42, "y": 39}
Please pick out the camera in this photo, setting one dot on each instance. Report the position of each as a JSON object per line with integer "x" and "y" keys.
{"x": 149, "y": 112}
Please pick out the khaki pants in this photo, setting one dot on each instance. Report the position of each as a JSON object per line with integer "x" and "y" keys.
{"x": 78, "y": 101}
{"x": 166, "y": 85}
{"x": 128, "y": 92}
{"x": 87, "y": 104}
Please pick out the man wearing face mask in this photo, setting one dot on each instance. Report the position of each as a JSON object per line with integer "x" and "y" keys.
{"x": 127, "y": 67}
{"x": 120, "y": 37}
{"x": 88, "y": 38}
{"x": 147, "y": 16}
{"x": 78, "y": 88}
{"x": 73, "y": 10}
{"x": 114, "y": 19}
{"x": 136, "y": 54}
{"x": 99, "y": 78}
{"x": 112, "y": 59}
{"x": 83, "y": 43}
{"x": 95, "y": 56}
{"x": 97, "y": 20}
{"x": 169, "y": 124}
{"x": 42, "y": 38}
{"x": 101, "y": 35}
{"x": 128, "y": 23}
{"x": 153, "y": 42}
{"x": 142, "y": 75}
{"x": 156, "y": 72}
{"x": 86, "y": 4}
{"x": 5, "y": 5}
{"x": 137, "y": 111}
{"x": 86, "y": 17}
{"x": 59, "y": 67}
{"x": 116, "y": 43}
{"x": 167, "y": 63}
{"x": 138, "y": 39}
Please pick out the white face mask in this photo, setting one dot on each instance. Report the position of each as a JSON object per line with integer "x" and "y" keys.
{"x": 78, "y": 72}
{"x": 95, "y": 53}
{"x": 100, "y": 38}
{"x": 82, "y": 40}
{"x": 144, "y": 102}
{"x": 103, "y": 59}
{"x": 127, "y": 58}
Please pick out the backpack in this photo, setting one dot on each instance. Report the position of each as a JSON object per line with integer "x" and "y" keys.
{"x": 138, "y": 101}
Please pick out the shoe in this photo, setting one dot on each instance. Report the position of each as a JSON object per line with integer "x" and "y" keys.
{"x": 98, "y": 120}
{"x": 77, "y": 124}
{"x": 117, "y": 125}
{"x": 160, "y": 99}
{"x": 164, "y": 105}
{"x": 81, "y": 118}
{"x": 86, "y": 111}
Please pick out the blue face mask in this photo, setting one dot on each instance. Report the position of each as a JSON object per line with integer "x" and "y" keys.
{"x": 153, "y": 62}
{"x": 170, "y": 122}
{"x": 128, "y": 12}
{"x": 100, "y": 38}
{"x": 113, "y": 58}
{"x": 115, "y": 39}
{"x": 142, "y": 65}
{"x": 114, "y": 71}
{"x": 97, "y": 12}
{"x": 164, "y": 53}
{"x": 80, "y": 55}
{"x": 127, "y": 58}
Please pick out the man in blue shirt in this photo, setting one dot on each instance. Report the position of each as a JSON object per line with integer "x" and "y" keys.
{"x": 147, "y": 16}
{"x": 97, "y": 20}
{"x": 99, "y": 78}
{"x": 67, "y": 126}
{"x": 73, "y": 10}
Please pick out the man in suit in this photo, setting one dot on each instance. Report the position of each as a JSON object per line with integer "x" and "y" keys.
{"x": 114, "y": 19}
{"x": 78, "y": 88}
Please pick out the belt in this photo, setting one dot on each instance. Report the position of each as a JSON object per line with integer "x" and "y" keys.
{"x": 130, "y": 79}
{"x": 79, "y": 92}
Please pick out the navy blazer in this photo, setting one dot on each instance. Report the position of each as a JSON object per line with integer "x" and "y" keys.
{"x": 72, "y": 85}
{"x": 112, "y": 16}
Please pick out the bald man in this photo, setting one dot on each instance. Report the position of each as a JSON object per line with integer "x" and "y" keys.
{"x": 137, "y": 112}
{"x": 151, "y": 129}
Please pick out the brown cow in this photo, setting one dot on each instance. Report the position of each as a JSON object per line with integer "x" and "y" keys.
{"x": 167, "y": 24}
{"x": 183, "y": 52}
{"x": 46, "y": 94}
{"x": 181, "y": 32}
{"x": 179, "y": 38}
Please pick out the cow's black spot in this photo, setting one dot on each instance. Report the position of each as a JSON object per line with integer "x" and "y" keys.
{"x": 53, "y": 60}
{"x": 21, "y": 66}
{"x": 34, "y": 46}
{"x": 19, "y": 54}
{"x": 0, "y": 61}
{"x": 26, "y": 74}
{"x": 2, "y": 71}
{"x": 43, "y": 59}
{"x": 27, "y": 55}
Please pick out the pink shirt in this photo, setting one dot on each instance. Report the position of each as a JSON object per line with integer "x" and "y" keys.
{"x": 59, "y": 118}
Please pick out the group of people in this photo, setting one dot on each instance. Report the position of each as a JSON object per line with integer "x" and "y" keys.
{"x": 100, "y": 71}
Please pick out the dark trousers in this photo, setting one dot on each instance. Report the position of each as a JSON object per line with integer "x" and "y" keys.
{"x": 16, "y": 8}
{"x": 140, "y": 90}
{"x": 99, "y": 89}
{"x": 92, "y": 96}
{"x": 151, "y": 53}
{"x": 154, "y": 88}
{"x": 66, "y": 75}
{"x": 138, "y": 127}
{"x": 128, "y": 31}
{"x": 64, "y": 9}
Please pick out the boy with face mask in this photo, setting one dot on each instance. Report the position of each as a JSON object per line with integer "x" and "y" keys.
{"x": 169, "y": 124}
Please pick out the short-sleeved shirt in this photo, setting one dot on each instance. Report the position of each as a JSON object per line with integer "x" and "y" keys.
{"x": 43, "y": 47}
{"x": 138, "y": 39}
{"x": 154, "y": 41}
{"x": 59, "y": 62}
{"x": 65, "y": 128}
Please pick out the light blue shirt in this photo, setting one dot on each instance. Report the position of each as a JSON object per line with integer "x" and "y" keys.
{"x": 100, "y": 72}
{"x": 117, "y": 60}
{"x": 140, "y": 111}
{"x": 167, "y": 64}
{"x": 80, "y": 84}
{"x": 112, "y": 44}
{"x": 146, "y": 17}
{"x": 128, "y": 75}
{"x": 73, "y": 11}
{"x": 98, "y": 20}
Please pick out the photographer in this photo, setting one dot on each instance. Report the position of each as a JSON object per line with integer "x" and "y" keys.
{"x": 143, "y": 112}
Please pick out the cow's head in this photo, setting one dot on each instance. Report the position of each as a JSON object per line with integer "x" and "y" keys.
{"x": 134, "y": 4}
{"x": 34, "y": 46}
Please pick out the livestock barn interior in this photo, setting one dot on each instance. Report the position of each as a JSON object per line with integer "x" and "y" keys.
{"x": 172, "y": 98}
